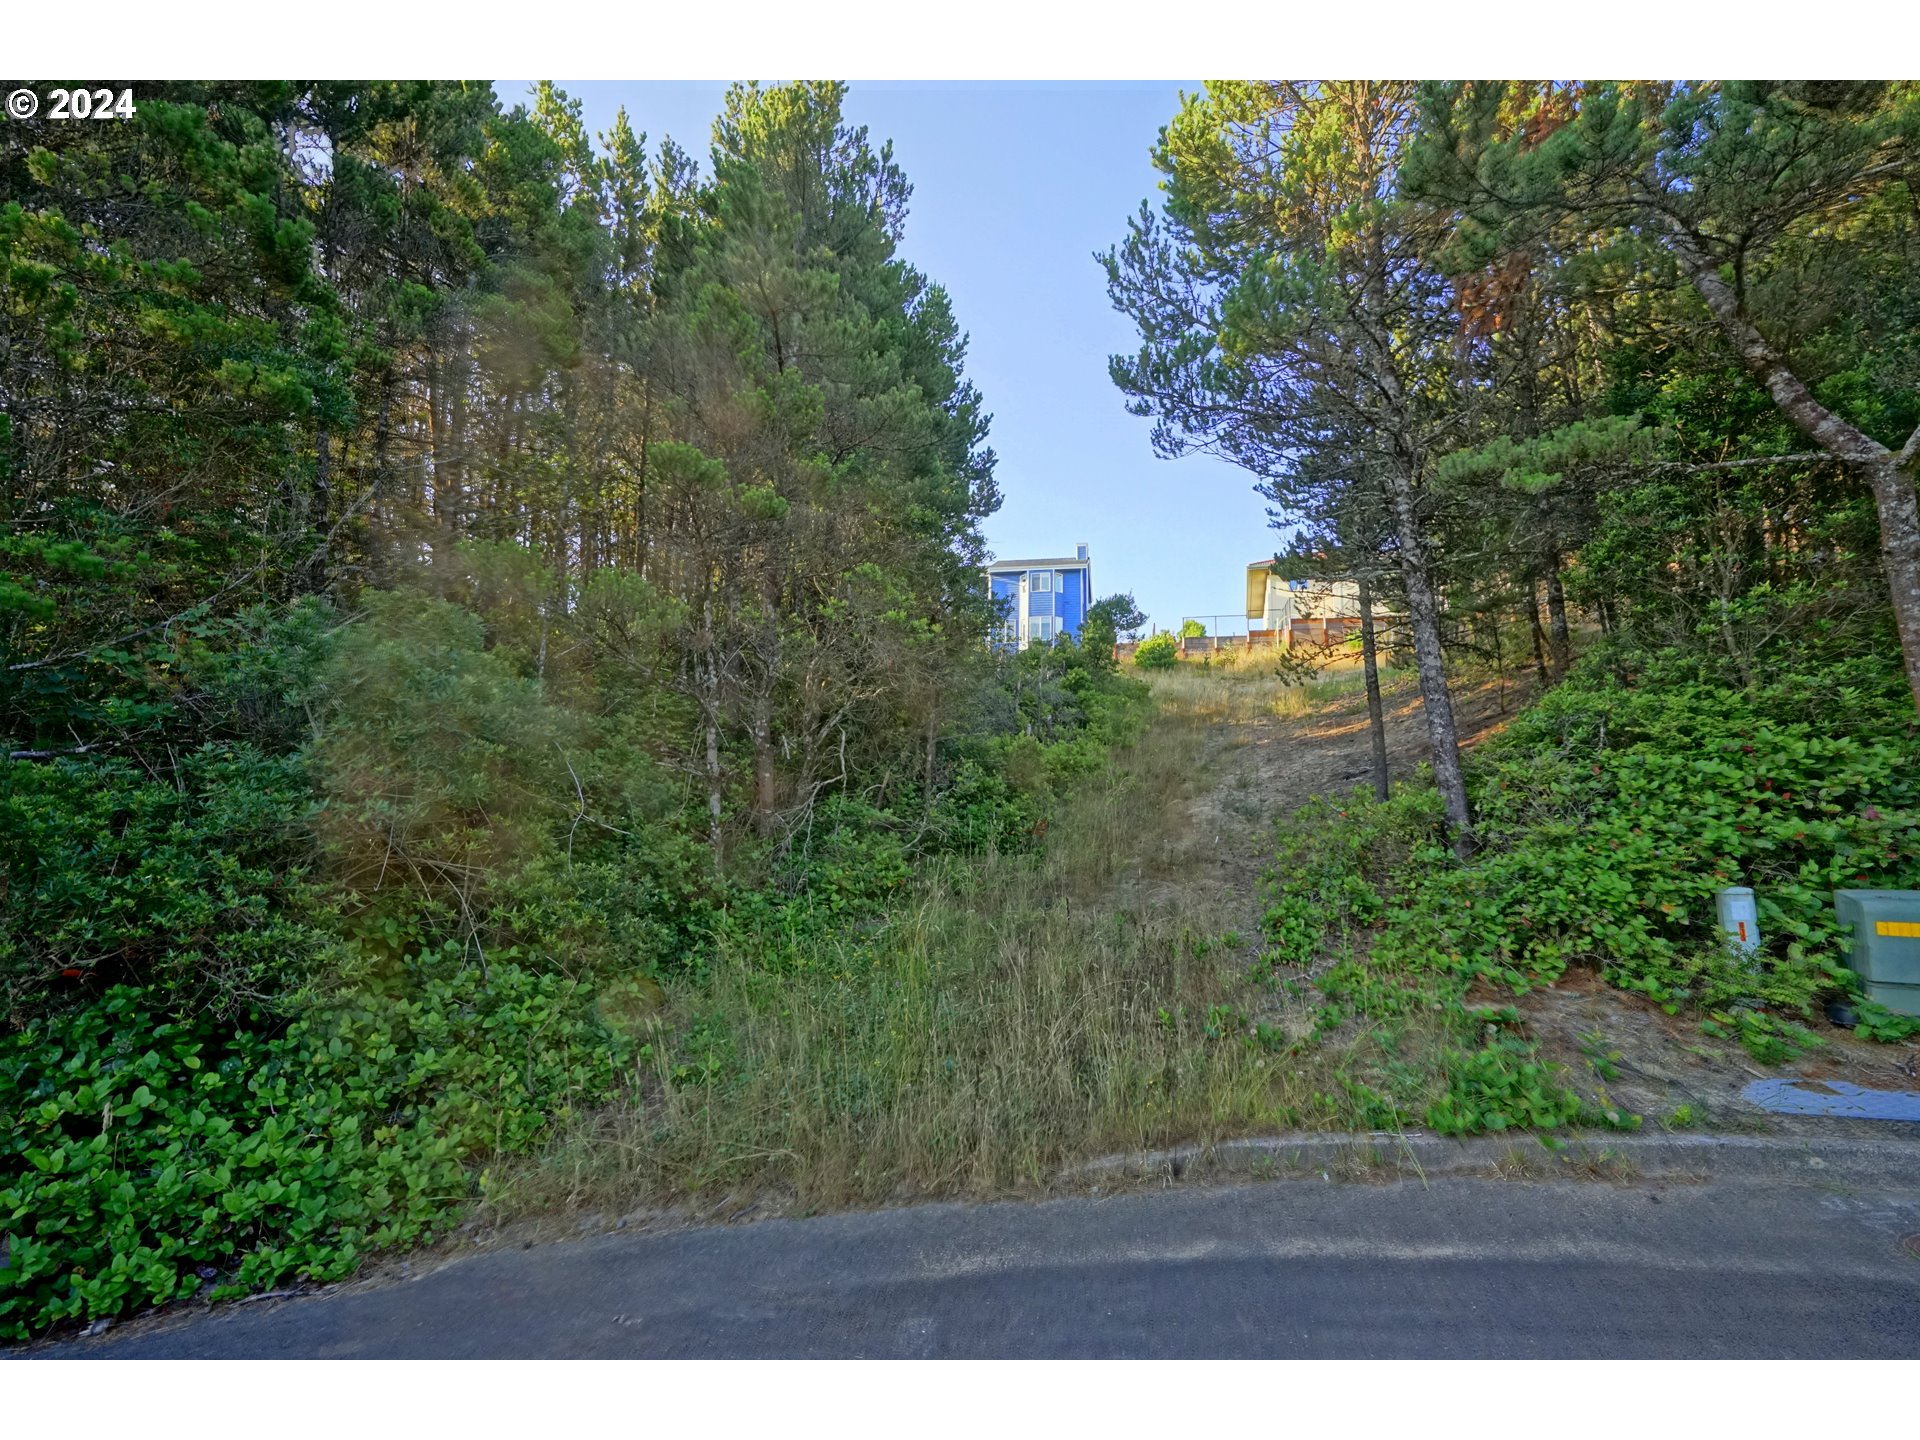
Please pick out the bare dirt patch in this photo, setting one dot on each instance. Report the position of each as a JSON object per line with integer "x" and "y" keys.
{"x": 1660, "y": 1063}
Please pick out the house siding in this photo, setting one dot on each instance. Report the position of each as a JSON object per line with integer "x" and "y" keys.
{"x": 1072, "y": 600}
{"x": 1313, "y": 611}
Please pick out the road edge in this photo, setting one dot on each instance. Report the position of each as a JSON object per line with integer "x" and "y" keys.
{"x": 1385, "y": 1155}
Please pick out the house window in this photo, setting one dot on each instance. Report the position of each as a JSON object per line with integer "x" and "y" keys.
{"x": 1040, "y": 580}
{"x": 1040, "y": 628}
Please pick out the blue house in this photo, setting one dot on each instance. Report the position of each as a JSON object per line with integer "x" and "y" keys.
{"x": 1041, "y": 599}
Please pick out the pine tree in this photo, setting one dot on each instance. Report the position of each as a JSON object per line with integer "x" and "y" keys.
{"x": 1289, "y": 308}
{"x": 1771, "y": 201}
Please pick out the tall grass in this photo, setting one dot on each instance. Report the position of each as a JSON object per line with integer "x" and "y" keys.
{"x": 1019, "y": 1013}
{"x": 1246, "y": 691}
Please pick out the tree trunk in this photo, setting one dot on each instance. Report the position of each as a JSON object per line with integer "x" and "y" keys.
{"x": 766, "y": 791}
{"x": 766, "y": 780}
{"x": 1499, "y": 656}
{"x": 1886, "y": 473}
{"x": 315, "y": 579}
{"x": 318, "y": 564}
{"x": 640, "y": 536}
{"x": 716, "y": 841}
{"x": 456, "y": 480}
{"x": 1893, "y": 497}
{"x": 933, "y": 749}
{"x": 708, "y": 669}
{"x": 382, "y": 433}
{"x": 1376, "y": 712}
{"x": 1539, "y": 635}
{"x": 436, "y": 368}
{"x": 1561, "y": 639}
{"x": 1423, "y": 613}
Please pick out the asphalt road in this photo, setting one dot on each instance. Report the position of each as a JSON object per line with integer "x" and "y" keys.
{"x": 1292, "y": 1268}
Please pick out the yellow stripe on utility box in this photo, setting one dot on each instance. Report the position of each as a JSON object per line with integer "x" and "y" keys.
{"x": 1908, "y": 928}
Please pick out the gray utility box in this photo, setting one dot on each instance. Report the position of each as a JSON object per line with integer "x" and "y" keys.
{"x": 1886, "y": 944}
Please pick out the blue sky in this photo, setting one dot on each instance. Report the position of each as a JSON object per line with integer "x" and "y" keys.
{"x": 1014, "y": 187}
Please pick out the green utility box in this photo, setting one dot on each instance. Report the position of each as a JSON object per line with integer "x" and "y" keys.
{"x": 1886, "y": 944}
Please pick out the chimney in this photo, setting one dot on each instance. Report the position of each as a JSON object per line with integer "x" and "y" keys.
{"x": 1080, "y": 551}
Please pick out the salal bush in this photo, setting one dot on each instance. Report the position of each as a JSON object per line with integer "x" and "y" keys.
{"x": 151, "y": 1155}
{"x": 1608, "y": 815}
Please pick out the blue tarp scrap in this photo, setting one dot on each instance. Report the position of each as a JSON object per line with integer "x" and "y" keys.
{"x": 1834, "y": 1098}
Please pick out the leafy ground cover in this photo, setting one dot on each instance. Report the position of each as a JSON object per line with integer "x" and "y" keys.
{"x": 281, "y": 1012}
{"x": 1609, "y": 815}
{"x": 904, "y": 1021}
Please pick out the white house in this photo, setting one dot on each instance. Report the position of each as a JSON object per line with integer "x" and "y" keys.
{"x": 1307, "y": 611}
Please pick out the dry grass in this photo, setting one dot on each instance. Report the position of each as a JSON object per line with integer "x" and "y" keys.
{"x": 1018, "y": 1015}
{"x": 1246, "y": 692}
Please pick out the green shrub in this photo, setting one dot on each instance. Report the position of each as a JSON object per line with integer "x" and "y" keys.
{"x": 1157, "y": 652}
{"x": 256, "y": 676}
{"x": 853, "y": 859}
{"x": 196, "y": 881}
{"x": 1608, "y": 816}
{"x": 402, "y": 913}
{"x": 1504, "y": 1085}
{"x": 980, "y": 812}
{"x": 150, "y": 1153}
{"x": 443, "y": 769}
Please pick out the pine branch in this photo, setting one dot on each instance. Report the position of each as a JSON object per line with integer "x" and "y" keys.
{"x": 1804, "y": 458}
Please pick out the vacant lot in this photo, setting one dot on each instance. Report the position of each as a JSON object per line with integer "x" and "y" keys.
{"x": 1020, "y": 1013}
{"x": 1023, "y": 1013}
{"x": 1017, "y": 1014}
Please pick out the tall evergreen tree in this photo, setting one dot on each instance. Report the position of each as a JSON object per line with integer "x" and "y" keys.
{"x": 1288, "y": 307}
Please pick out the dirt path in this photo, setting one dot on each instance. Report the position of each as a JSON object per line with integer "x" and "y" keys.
{"x": 1266, "y": 753}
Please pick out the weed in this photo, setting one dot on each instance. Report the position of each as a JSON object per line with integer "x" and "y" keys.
{"x": 1605, "y": 1062}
